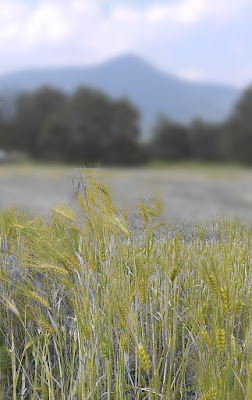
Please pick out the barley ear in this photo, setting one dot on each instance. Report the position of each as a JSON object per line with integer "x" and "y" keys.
{"x": 220, "y": 340}
{"x": 143, "y": 358}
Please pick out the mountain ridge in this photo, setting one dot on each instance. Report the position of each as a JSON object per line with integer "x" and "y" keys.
{"x": 152, "y": 90}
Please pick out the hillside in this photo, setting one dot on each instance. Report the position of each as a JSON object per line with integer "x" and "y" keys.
{"x": 151, "y": 90}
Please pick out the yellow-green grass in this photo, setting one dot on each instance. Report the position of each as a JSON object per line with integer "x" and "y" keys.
{"x": 90, "y": 310}
{"x": 212, "y": 170}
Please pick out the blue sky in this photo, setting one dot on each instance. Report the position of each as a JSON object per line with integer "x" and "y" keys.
{"x": 201, "y": 40}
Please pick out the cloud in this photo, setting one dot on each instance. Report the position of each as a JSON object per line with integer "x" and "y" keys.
{"x": 54, "y": 21}
{"x": 23, "y": 24}
{"x": 53, "y": 32}
{"x": 47, "y": 23}
{"x": 194, "y": 75}
{"x": 11, "y": 13}
{"x": 186, "y": 11}
{"x": 195, "y": 11}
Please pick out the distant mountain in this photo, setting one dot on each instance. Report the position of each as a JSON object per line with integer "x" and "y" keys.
{"x": 151, "y": 90}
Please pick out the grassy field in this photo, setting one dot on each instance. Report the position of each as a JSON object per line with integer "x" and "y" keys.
{"x": 92, "y": 308}
{"x": 186, "y": 191}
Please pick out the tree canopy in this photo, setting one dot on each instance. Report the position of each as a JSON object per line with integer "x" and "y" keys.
{"x": 87, "y": 126}
{"x": 239, "y": 129}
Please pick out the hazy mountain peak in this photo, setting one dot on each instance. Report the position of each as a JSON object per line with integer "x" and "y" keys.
{"x": 153, "y": 91}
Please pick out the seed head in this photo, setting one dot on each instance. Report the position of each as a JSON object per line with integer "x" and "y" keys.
{"x": 226, "y": 300}
{"x": 210, "y": 394}
{"x": 220, "y": 339}
{"x": 142, "y": 293}
{"x": 143, "y": 358}
{"x": 213, "y": 284}
{"x": 205, "y": 336}
{"x": 104, "y": 350}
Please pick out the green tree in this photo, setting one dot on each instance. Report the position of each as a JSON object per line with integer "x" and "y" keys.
{"x": 3, "y": 124}
{"x": 90, "y": 114}
{"x": 207, "y": 141}
{"x": 124, "y": 134}
{"x": 239, "y": 129}
{"x": 2, "y": 133}
{"x": 5, "y": 132}
{"x": 85, "y": 127}
{"x": 103, "y": 130}
{"x": 170, "y": 141}
{"x": 32, "y": 110}
{"x": 55, "y": 141}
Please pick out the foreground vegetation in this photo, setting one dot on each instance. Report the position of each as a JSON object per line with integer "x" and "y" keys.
{"x": 90, "y": 309}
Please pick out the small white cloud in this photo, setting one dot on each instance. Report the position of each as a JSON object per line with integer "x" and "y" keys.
{"x": 194, "y": 75}
{"x": 12, "y": 13}
{"x": 194, "y": 11}
{"x": 186, "y": 11}
{"x": 47, "y": 22}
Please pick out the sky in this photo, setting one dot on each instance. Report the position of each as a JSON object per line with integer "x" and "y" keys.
{"x": 199, "y": 40}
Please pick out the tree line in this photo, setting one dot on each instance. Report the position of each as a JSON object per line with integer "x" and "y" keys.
{"x": 89, "y": 127}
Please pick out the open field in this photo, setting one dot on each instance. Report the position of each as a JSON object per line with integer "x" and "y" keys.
{"x": 92, "y": 310}
{"x": 186, "y": 192}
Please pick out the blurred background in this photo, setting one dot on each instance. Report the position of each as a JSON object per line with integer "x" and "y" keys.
{"x": 158, "y": 91}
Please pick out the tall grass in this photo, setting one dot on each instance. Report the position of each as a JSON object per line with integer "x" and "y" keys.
{"x": 91, "y": 310}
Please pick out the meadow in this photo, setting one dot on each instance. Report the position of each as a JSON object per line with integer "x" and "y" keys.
{"x": 92, "y": 308}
